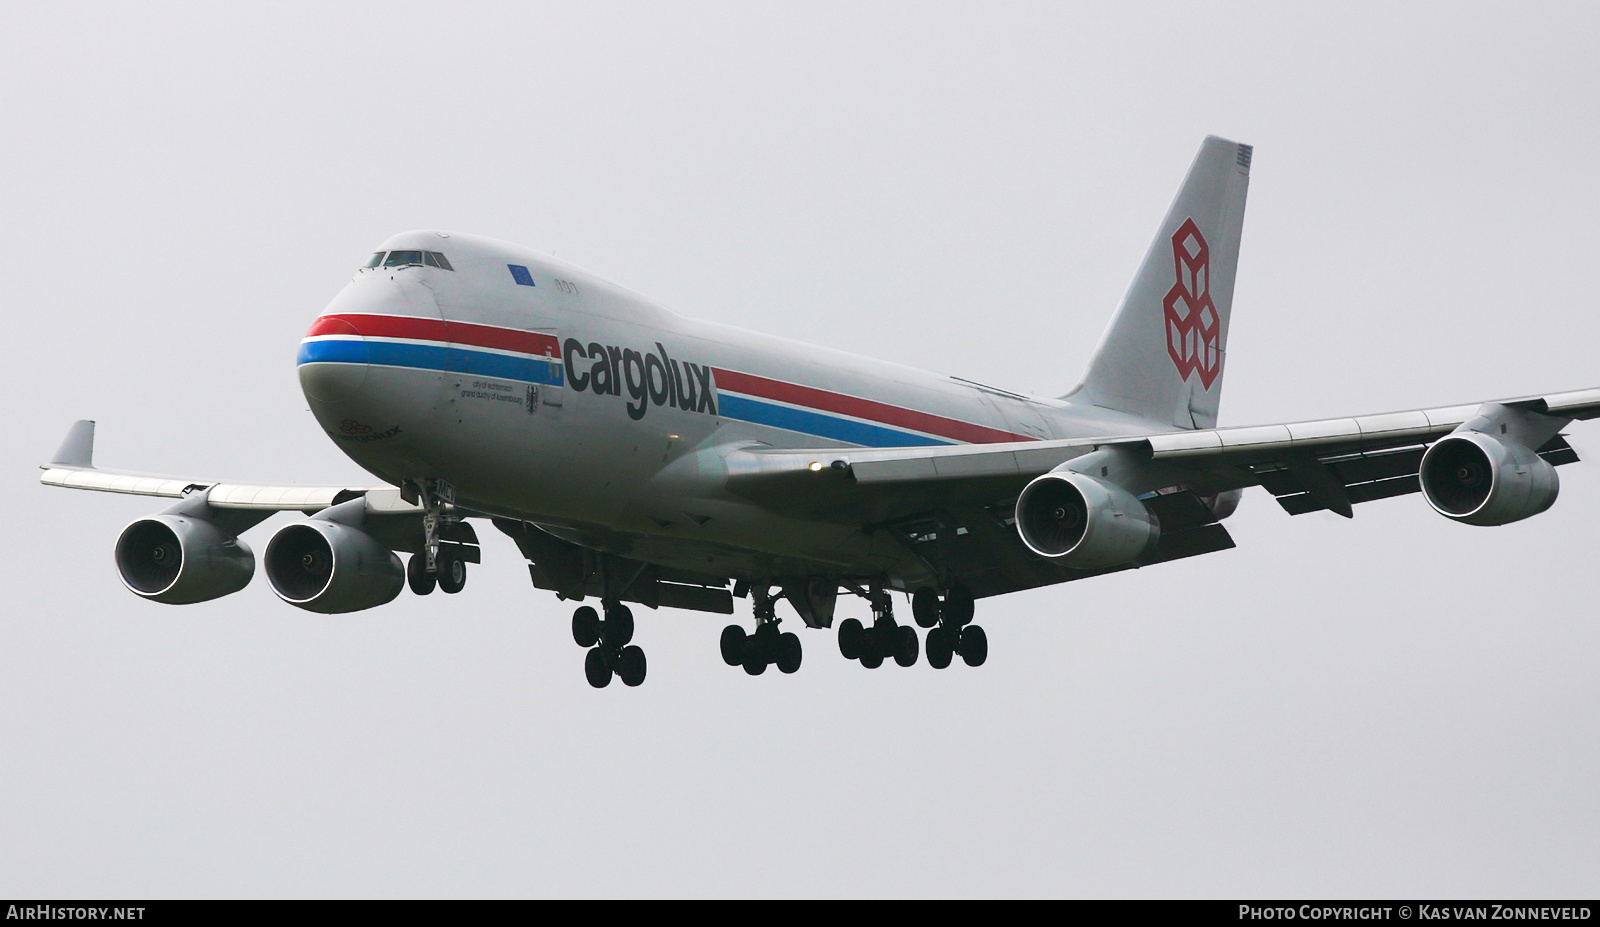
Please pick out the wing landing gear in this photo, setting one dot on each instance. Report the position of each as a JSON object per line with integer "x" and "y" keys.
{"x": 950, "y": 627}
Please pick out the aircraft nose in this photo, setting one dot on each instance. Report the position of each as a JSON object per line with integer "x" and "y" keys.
{"x": 333, "y": 360}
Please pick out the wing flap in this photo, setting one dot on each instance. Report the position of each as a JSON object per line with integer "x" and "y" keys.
{"x": 1366, "y": 477}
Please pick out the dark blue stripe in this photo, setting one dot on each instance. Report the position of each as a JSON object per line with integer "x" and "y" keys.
{"x": 431, "y": 357}
{"x": 819, "y": 424}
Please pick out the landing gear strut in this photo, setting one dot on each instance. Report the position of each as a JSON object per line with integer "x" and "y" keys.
{"x": 951, "y": 630}
{"x": 766, "y": 646}
{"x": 884, "y": 639}
{"x": 610, "y": 653}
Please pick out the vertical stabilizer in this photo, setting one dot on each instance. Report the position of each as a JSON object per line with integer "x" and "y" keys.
{"x": 1163, "y": 356}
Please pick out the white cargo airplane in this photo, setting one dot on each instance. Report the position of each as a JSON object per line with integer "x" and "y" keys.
{"x": 639, "y": 456}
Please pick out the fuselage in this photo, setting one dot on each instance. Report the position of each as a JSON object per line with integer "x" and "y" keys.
{"x": 544, "y": 393}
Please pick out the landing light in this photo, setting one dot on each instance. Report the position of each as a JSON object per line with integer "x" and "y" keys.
{"x": 816, "y": 465}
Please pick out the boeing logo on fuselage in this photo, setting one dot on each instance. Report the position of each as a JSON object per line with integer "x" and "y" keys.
{"x": 647, "y": 379}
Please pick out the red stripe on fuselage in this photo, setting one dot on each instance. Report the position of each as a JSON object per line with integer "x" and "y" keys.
{"x": 482, "y": 336}
{"x": 840, "y": 404}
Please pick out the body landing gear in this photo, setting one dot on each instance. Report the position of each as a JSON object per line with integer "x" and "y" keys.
{"x": 950, "y": 627}
{"x": 610, "y": 653}
{"x": 766, "y": 646}
{"x": 884, "y": 640}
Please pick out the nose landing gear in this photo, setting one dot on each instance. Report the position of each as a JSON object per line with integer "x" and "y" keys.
{"x": 435, "y": 565}
{"x": 610, "y": 653}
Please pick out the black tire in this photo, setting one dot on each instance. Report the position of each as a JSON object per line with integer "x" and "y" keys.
{"x": 789, "y": 652}
{"x": 852, "y": 638}
{"x": 958, "y": 606}
{"x": 733, "y": 645}
{"x": 417, "y": 575}
{"x": 974, "y": 645}
{"x": 925, "y": 607}
{"x": 906, "y": 648}
{"x": 872, "y": 660}
{"x": 885, "y": 639}
{"x": 631, "y": 665}
{"x": 596, "y": 670}
{"x": 586, "y": 626}
{"x": 753, "y": 664}
{"x": 452, "y": 573}
{"x": 941, "y": 648}
{"x": 617, "y": 630}
{"x": 764, "y": 643}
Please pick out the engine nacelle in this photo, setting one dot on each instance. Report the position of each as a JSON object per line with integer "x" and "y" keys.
{"x": 1480, "y": 480}
{"x": 323, "y": 566}
{"x": 181, "y": 559}
{"x": 1085, "y": 523}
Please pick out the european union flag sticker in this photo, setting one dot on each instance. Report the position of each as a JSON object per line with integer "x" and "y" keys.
{"x": 521, "y": 275}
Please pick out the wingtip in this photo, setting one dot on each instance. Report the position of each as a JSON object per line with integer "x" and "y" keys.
{"x": 77, "y": 450}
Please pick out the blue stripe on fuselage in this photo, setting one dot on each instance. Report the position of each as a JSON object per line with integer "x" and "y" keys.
{"x": 529, "y": 370}
{"x": 819, "y": 424}
{"x": 431, "y": 357}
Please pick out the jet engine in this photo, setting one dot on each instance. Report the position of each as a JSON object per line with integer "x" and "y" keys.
{"x": 1083, "y": 522}
{"x": 180, "y": 559}
{"x": 1478, "y": 479}
{"x": 324, "y": 566}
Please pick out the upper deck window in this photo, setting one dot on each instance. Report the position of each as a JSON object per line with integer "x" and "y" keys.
{"x": 409, "y": 259}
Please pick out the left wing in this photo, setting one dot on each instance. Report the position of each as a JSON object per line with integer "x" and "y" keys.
{"x": 1215, "y": 460}
{"x": 955, "y": 506}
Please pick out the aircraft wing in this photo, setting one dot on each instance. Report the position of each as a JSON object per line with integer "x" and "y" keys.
{"x": 952, "y": 505}
{"x": 73, "y": 468}
{"x": 1218, "y": 459}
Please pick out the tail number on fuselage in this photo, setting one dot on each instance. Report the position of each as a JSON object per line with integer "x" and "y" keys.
{"x": 647, "y": 379}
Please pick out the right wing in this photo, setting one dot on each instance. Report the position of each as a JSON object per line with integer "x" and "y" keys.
{"x": 73, "y": 468}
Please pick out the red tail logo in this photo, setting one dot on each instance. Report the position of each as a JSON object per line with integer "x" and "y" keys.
{"x": 1194, "y": 331}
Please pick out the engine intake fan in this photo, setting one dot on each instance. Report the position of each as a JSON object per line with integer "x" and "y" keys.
{"x": 1479, "y": 479}
{"x": 1083, "y": 522}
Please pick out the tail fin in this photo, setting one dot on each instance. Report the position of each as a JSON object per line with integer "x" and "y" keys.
{"x": 1162, "y": 356}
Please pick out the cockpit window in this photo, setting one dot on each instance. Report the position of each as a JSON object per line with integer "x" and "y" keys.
{"x": 408, "y": 259}
{"x": 402, "y": 258}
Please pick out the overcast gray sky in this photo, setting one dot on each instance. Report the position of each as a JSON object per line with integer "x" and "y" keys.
{"x": 1392, "y": 706}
